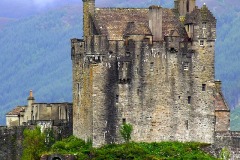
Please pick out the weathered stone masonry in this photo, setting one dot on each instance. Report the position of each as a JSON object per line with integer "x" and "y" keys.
{"x": 153, "y": 68}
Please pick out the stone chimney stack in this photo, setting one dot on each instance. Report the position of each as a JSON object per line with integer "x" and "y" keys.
{"x": 176, "y": 4}
{"x": 88, "y": 11}
{"x": 155, "y": 22}
{"x": 30, "y": 99}
{"x": 218, "y": 85}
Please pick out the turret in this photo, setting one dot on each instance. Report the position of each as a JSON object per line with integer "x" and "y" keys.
{"x": 88, "y": 12}
{"x": 30, "y": 99}
{"x": 185, "y": 6}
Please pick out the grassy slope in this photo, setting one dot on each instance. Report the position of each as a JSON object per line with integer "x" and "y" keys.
{"x": 130, "y": 151}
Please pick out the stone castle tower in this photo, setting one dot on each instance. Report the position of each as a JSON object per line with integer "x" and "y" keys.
{"x": 150, "y": 67}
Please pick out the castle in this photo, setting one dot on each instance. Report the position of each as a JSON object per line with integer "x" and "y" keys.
{"x": 150, "y": 67}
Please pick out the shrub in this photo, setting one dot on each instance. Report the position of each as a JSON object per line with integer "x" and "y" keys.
{"x": 126, "y": 131}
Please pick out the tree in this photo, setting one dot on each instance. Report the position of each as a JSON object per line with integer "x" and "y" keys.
{"x": 33, "y": 144}
{"x": 126, "y": 131}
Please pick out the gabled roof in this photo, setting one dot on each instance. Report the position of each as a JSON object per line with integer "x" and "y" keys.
{"x": 116, "y": 22}
{"x": 220, "y": 103}
{"x": 17, "y": 110}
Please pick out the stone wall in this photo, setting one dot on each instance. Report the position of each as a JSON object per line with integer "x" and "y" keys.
{"x": 230, "y": 140}
{"x": 12, "y": 138}
{"x": 158, "y": 88}
{"x": 11, "y": 143}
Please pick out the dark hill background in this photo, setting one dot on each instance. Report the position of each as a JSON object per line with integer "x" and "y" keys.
{"x": 35, "y": 48}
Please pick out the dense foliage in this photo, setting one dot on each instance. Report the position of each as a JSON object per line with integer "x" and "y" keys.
{"x": 132, "y": 150}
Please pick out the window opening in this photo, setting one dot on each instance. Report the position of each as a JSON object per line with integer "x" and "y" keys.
{"x": 187, "y": 5}
{"x": 189, "y": 99}
{"x": 78, "y": 93}
{"x": 151, "y": 66}
{"x": 117, "y": 98}
{"x": 201, "y": 42}
{"x": 124, "y": 120}
{"x": 203, "y": 87}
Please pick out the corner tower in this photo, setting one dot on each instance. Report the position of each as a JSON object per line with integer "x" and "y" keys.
{"x": 88, "y": 12}
{"x": 185, "y": 6}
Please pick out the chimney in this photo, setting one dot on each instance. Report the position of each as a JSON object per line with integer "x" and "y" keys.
{"x": 155, "y": 22}
{"x": 88, "y": 11}
{"x": 176, "y": 4}
{"x": 218, "y": 86}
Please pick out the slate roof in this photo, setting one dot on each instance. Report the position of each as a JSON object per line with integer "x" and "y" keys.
{"x": 220, "y": 103}
{"x": 116, "y": 22}
{"x": 17, "y": 110}
{"x": 135, "y": 28}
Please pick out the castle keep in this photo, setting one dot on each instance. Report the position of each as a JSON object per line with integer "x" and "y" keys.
{"x": 150, "y": 67}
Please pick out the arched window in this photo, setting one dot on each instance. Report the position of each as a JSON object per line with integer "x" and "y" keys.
{"x": 188, "y": 6}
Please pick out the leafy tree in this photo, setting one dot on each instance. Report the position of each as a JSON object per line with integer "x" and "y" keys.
{"x": 126, "y": 131}
{"x": 33, "y": 144}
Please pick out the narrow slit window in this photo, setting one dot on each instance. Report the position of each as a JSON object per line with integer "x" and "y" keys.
{"x": 188, "y": 7}
{"x": 189, "y": 99}
{"x": 186, "y": 124}
{"x": 78, "y": 93}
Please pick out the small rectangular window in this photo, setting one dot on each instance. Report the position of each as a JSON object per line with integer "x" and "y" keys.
{"x": 117, "y": 98}
{"x": 189, "y": 99}
{"x": 201, "y": 43}
{"x": 124, "y": 120}
{"x": 203, "y": 87}
{"x": 151, "y": 66}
